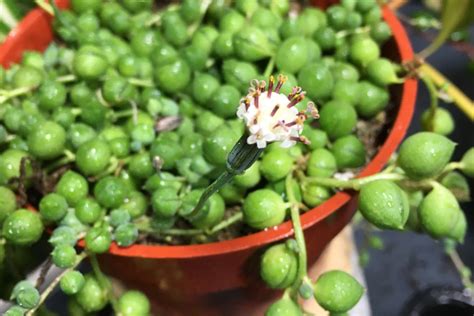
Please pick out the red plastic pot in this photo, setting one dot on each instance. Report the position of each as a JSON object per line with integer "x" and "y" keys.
{"x": 222, "y": 278}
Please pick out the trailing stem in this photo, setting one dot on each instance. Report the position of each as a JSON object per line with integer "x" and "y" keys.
{"x": 299, "y": 236}
{"x": 235, "y": 218}
{"x": 354, "y": 184}
{"x": 269, "y": 68}
{"x": 103, "y": 281}
{"x": 463, "y": 102}
{"x": 55, "y": 282}
{"x": 463, "y": 270}
{"x": 433, "y": 91}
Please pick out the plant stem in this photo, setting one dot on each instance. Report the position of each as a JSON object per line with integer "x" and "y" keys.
{"x": 141, "y": 82}
{"x": 269, "y": 68}
{"x": 45, "y": 6}
{"x": 204, "y": 6}
{"x": 145, "y": 227}
{"x": 121, "y": 114}
{"x": 55, "y": 282}
{"x": 452, "y": 166}
{"x": 66, "y": 78}
{"x": 102, "y": 278}
{"x": 433, "y": 98}
{"x": 225, "y": 177}
{"x": 5, "y": 95}
{"x": 181, "y": 232}
{"x": 241, "y": 157}
{"x": 461, "y": 267}
{"x": 153, "y": 20}
{"x": 226, "y": 223}
{"x": 68, "y": 157}
{"x": 463, "y": 102}
{"x": 432, "y": 90}
{"x": 114, "y": 165}
{"x": 101, "y": 99}
{"x": 354, "y": 184}
{"x": 299, "y": 236}
{"x": 359, "y": 30}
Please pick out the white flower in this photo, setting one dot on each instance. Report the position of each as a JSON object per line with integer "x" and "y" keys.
{"x": 271, "y": 116}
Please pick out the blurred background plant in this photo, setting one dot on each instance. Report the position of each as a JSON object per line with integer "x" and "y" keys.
{"x": 440, "y": 22}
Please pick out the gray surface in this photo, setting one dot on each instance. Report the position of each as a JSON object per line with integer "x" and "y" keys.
{"x": 411, "y": 262}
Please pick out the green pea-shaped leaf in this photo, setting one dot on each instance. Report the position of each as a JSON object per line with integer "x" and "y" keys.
{"x": 317, "y": 80}
{"x": 279, "y": 266}
{"x": 439, "y": 212}
{"x": 251, "y": 44}
{"x": 263, "y": 208}
{"x": 439, "y": 122}
{"x": 321, "y": 163}
{"x": 467, "y": 162}
{"x": 459, "y": 231}
{"x": 239, "y": 74}
{"x": 382, "y": 72}
{"x": 414, "y": 200}
{"x": 458, "y": 185}
{"x": 337, "y": 291}
{"x": 292, "y": 54}
{"x": 384, "y": 204}
{"x": 284, "y": 306}
{"x": 425, "y": 154}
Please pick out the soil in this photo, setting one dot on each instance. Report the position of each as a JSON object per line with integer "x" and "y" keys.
{"x": 371, "y": 132}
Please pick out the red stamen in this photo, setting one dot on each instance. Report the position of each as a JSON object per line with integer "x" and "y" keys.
{"x": 270, "y": 86}
{"x": 247, "y": 103}
{"x": 275, "y": 109}
{"x": 292, "y": 103}
{"x": 256, "y": 96}
{"x": 281, "y": 80}
{"x": 280, "y": 124}
{"x": 254, "y": 85}
{"x": 302, "y": 117}
{"x": 262, "y": 86}
{"x": 294, "y": 91}
{"x": 302, "y": 139}
{"x": 291, "y": 124}
{"x": 298, "y": 98}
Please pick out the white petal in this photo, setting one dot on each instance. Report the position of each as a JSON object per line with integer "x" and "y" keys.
{"x": 261, "y": 143}
{"x": 254, "y": 128}
{"x": 268, "y": 129}
{"x": 287, "y": 143}
{"x": 252, "y": 139}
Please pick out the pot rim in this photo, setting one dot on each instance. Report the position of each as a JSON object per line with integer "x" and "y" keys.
{"x": 284, "y": 230}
